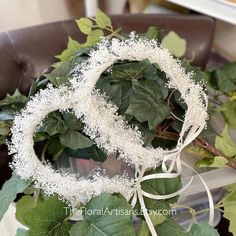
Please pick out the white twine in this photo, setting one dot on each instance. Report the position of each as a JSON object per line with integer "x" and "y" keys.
{"x": 109, "y": 130}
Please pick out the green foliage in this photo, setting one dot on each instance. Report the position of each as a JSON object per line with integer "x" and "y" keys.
{"x": 106, "y": 220}
{"x": 147, "y": 103}
{"x": 75, "y": 140}
{"x": 219, "y": 162}
{"x": 53, "y": 124}
{"x": 225, "y": 144}
{"x": 49, "y": 217}
{"x": 169, "y": 227}
{"x": 154, "y": 33}
{"x": 229, "y": 112}
{"x": 175, "y": 44}
{"x": 229, "y": 204}
{"x": 69, "y": 53}
{"x": 94, "y": 37}
{"x": 59, "y": 75}
{"x": 92, "y": 152}
{"x": 85, "y": 25}
{"x": 102, "y": 20}
{"x": 225, "y": 78}
{"x": 8, "y": 193}
{"x": 202, "y": 229}
{"x": 23, "y": 205}
{"x": 156, "y": 220}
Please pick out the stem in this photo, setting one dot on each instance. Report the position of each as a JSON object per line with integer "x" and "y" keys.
{"x": 44, "y": 151}
{"x": 204, "y": 144}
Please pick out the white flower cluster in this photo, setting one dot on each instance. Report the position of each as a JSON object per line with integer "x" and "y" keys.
{"x": 102, "y": 123}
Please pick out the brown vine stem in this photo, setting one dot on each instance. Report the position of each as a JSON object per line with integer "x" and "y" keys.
{"x": 164, "y": 134}
{"x": 208, "y": 147}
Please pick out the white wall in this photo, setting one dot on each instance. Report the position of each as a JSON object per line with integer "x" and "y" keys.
{"x": 22, "y": 13}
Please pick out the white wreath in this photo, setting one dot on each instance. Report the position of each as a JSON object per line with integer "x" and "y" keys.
{"x": 109, "y": 130}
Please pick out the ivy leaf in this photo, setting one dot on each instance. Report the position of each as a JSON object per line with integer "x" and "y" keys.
{"x": 154, "y": 33}
{"x": 229, "y": 203}
{"x": 160, "y": 187}
{"x": 133, "y": 71}
{"x": 225, "y": 77}
{"x": 92, "y": 152}
{"x": 147, "y": 104}
{"x": 53, "y": 124}
{"x": 225, "y": 144}
{"x": 5, "y": 128}
{"x": 218, "y": 162}
{"x": 69, "y": 53}
{"x": 23, "y": 205}
{"x": 59, "y": 75}
{"x": 75, "y": 140}
{"x": 102, "y": 20}
{"x": 8, "y": 193}
{"x": 169, "y": 227}
{"x": 204, "y": 162}
{"x": 108, "y": 223}
{"x": 49, "y": 218}
{"x": 156, "y": 220}
{"x": 21, "y": 232}
{"x": 199, "y": 151}
{"x": 16, "y": 98}
{"x": 94, "y": 37}
{"x": 175, "y": 44}
{"x": 85, "y": 25}
{"x": 202, "y": 229}
{"x": 229, "y": 112}
{"x": 71, "y": 121}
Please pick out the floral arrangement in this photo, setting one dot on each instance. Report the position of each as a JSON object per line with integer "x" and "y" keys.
{"x": 116, "y": 94}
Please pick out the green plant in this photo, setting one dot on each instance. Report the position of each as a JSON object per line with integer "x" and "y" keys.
{"x": 138, "y": 90}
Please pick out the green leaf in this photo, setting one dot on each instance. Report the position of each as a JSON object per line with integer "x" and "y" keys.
{"x": 16, "y": 98}
{"x": 225, "y": 77}
{"x": 199, "y": 151}
{"x": 8, "y": 193}
{"x": 218, "y": 162}
{"x": 59, "y": 75}
{"x": 204, "y": 162}
{"x": 21, "y": 232}
{"x": 106, "y": 219}
{"x": 160, "y": 187}
{"x": 154, "y": 33}
{"x": 3, "y": 139}
{"x": 102, "y": 20}
{"x": 85, "y": 25}
{"x": 169, "y": 227}
{"x": 229, "y": 112}
{"x": 75, "y": 140}
{"x": 229, "y": 204}
{"x": 147, "y": 104}
{"x": 49, "y": 218}
{"x": 53, "y": 124}
{"x": 94, "y": 37}
{"x": 69, "y": 53}
{"x": 134, "y": 71}
{"x": 23, "y": 205}
{"x": 156, "y": 220}
{"x": 175, "y": 44}
{"x": 92, "y": 152}
{"x": 225, "y": 144}
{"x": 71, "y": 121}
{"x": 202, "y": 229}
{"x": 5, "y": 128}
